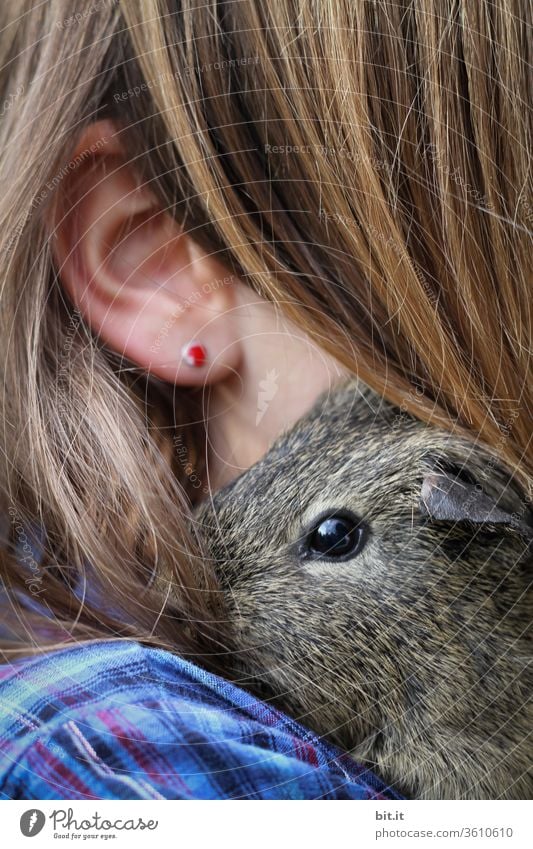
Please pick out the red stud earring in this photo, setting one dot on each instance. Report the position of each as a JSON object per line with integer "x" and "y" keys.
{"x": 194, "y": 354}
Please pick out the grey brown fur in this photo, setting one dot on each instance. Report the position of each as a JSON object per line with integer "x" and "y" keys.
{"x": 414, "y": 655}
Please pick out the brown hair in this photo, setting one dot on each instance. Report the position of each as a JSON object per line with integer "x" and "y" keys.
{"x": 365, "y": 165}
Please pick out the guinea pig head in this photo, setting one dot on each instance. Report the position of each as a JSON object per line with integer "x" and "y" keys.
{"x": 375, "y": 579}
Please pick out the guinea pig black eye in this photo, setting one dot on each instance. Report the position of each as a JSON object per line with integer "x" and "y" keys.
{"x": 335, "y": 536}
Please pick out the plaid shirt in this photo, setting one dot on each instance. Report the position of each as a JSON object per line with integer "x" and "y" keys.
{"x": 116, "y": 720}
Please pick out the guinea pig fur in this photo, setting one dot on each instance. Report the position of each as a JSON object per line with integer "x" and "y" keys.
{"x": 375, "y": 584}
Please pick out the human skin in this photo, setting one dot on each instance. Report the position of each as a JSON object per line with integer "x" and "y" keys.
{"x": 280, "y": 374}
{"x": 147, "y": 289}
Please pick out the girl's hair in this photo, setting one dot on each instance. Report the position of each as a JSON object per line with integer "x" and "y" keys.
{"x": 364, "y": 165}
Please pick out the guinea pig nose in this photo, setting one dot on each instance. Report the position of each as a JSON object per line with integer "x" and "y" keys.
{"x": 335, "y": 536}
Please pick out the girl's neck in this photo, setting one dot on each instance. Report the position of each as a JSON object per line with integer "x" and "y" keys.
{"x": 280, "y": 376}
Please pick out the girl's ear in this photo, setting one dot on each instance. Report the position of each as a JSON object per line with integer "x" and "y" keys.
{"x": 139, "y": 281}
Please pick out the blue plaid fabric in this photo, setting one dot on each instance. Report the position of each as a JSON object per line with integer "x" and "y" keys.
{"x": 116, "y": 720}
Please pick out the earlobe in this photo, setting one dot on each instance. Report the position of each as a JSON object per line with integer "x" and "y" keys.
{"x": 141, "y": 283}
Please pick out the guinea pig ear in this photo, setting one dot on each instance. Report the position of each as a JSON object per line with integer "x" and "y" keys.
{"x": 449, "y": 497}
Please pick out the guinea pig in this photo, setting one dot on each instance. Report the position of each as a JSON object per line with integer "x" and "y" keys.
{"x": 375, "y": 576}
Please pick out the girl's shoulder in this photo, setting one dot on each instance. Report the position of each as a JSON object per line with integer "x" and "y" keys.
{"x": 115, "y": 719}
